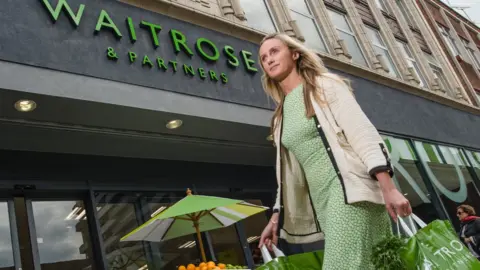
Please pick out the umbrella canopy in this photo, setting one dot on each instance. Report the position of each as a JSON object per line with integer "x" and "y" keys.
{"x": 193, "y": 214}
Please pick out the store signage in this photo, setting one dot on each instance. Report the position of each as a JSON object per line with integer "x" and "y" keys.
{"x": 205, "y": 48}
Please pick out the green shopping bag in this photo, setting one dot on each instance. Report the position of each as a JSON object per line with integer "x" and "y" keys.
{"x": 435, "y": 246}
{"x": 303, "y": 261}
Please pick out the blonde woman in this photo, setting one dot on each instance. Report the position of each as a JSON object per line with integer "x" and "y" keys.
{"x": 333, "y": 170}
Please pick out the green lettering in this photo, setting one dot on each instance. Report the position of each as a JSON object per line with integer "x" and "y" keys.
{"x": 161, "y": 63}
{"x": 232, "y": 59}
{"x": 108, "y": 24}
{"x": 213, "y": 75}
{"x": 212, "y": 46}
{"x": 154, "y": 29}
{"x": 188, "y": 70}
{"x": 132, "y": 56}
{"x": 62, "y": 4}
{"x": 248, "y": 62}
{"x": 224, "y": 77}
{"x": 202, "y": 74}
{"x": 174, "y": 64}
{"x": 111, "y": 54}
{"x": 180, "y": 42}
{"x": 131, "y": 30}
{"x": 146, "y": 61}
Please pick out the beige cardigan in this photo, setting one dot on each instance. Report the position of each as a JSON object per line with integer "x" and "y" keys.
{"x": 358, "y": 151}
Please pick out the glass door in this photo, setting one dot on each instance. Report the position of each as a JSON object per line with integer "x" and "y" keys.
{"x": 44, "y": 234}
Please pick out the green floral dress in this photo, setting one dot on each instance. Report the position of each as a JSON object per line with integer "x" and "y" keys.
{"x": 350, "y": 230}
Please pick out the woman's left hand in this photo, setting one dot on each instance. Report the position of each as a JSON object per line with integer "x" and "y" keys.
{"x": 395, "y": 202}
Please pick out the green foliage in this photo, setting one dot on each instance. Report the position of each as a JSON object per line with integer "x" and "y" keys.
{"x": 386, "y": 254}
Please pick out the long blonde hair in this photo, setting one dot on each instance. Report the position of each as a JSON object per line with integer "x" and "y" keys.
{"x": 308, "y": 65}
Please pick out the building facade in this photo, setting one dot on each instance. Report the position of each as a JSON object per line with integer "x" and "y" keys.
{"x": 459, "y": 40}
{"x": 110, "y": 110}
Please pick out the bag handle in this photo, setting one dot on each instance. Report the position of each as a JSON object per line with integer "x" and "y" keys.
{"x": 266, "y": 254}
{"x": 410, "y": 229}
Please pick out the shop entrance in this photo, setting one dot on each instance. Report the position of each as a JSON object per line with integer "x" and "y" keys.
{"x": 40, "y": 232}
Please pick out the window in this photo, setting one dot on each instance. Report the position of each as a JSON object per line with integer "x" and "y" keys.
{"x": 438, "y": 73}
{"x": 345, "y": 33}
{"x": 408, "y": 178}
{"x": 449, "y": 40}
{"x": 258, "y": 15}
{"x": 301, "y": 13}
{"x": 446, "y": 168}
{"x": 382, "y": 5}
{"x": 474, "y": 158}
{"x": 474, "y": 60}
{"x": 406, "y": 14}
{"x": 381, "y": 49}
{"x": 408, "y": 56}
{"x": 6, "y": 250}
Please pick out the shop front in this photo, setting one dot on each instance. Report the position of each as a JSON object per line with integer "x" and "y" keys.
{"x": 108, "y": 113}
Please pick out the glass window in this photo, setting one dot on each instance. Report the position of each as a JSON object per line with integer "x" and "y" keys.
{"x": 474, "y": 158}
{"x": 438, "y": 73}
{"x": 382, "y": 5}
{"x": 447, "y": 170}
{"x": 6, "y": 250}
{"x": 301, "y": 13}
{"x": 258, "y": 15}
{"x": 63, "y": 237}
{"x": 345, "y": 33}
{"x": 473, "y": 57}
{"x": 411, "y": 62}
{"x": 408, "y": 179}
{"x": 120, "y": 213}
{"x": 449, "y": 40}
{"x": 406, "y": 14}
{"x": 226, "y": 246}
{"x": 381, "y": 49}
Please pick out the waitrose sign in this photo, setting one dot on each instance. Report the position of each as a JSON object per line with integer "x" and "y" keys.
{"x": 202, "y": 47}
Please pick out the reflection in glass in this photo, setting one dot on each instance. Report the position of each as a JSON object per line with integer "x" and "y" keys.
{"x": 306, "y": 22}
{"x": 408, "y": 179}
{"x": 474, "y": 158}
{"x": 447, "y": 170}
{"x": 258, "y": 16}
{"x": 254, "y": 226}
{"x": 120, "y": 213}
{"x": 6, "y": 250}
{"x": 227, "y": 246}
{"x": 63, "y": 237}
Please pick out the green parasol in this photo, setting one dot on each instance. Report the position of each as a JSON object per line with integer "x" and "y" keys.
{"x": 193, "y": 214}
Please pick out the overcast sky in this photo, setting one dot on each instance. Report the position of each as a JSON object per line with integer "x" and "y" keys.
{"x": 473, "y": 11}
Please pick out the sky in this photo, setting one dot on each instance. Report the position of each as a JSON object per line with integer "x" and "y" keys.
{"x": 473, "y": 11}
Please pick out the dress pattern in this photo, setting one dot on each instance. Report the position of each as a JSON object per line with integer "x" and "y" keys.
{"x": 351, "y": 230}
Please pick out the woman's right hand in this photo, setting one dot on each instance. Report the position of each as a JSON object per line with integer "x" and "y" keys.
{"x": 269, "y": 234}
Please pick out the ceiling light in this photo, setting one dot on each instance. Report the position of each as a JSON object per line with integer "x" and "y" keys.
{"x": 25, "y": 105}
{"x": 270, "y": 137}
{"x": 174, "y": 124}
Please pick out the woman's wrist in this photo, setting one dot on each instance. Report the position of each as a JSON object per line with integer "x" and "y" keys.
{"x": 385, "y": 182}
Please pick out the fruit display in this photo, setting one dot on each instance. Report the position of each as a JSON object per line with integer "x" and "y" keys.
{"x": 210, "y": 266}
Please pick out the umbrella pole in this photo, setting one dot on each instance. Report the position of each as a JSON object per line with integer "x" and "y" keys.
{"x": 199, "y": 236}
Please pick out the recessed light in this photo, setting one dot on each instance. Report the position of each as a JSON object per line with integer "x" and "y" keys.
{"x": 25, "y": 105}
{"x": 270, "y": 137}
{"x": 174, "y": 124}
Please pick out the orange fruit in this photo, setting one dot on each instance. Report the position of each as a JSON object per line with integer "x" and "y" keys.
{"x": 191, "y": 267}
{"x": 222, "y": 266}
{"x": 202, "y": 264}
{"x": 210, "y": 264}
{"x": 197, "y": 268}
{"x": 182, "y": 267}
{"x": 204, "y": 268}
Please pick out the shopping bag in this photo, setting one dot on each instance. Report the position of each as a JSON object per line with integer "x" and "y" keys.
{"x": 434, "y": 246}
{"x": 303, "y": 261}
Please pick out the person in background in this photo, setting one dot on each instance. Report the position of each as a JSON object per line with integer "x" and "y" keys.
{"x": 333, "y": 170}
{"x": 469, "y": 228}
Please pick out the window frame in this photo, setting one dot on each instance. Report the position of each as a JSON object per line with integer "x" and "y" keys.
{"x": 434, "y": 66}
{"x": 406, "y": 13}
{"x": 382, "y": 6}
{"x": 310, "y": 16}
{"x": 447, "y": 37}
{"x": 384, "y": 48}
{"x": 408, "y": 54}
{"x": 471, "y": 54}
{"x": 350, "y": 32}
{"x": 270, "y": 14}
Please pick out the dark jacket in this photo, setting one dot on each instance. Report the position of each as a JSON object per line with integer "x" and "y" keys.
{"x": 471, "y": 228}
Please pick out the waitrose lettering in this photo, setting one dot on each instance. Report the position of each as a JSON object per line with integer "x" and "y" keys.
{"x": 205, "y": 48}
